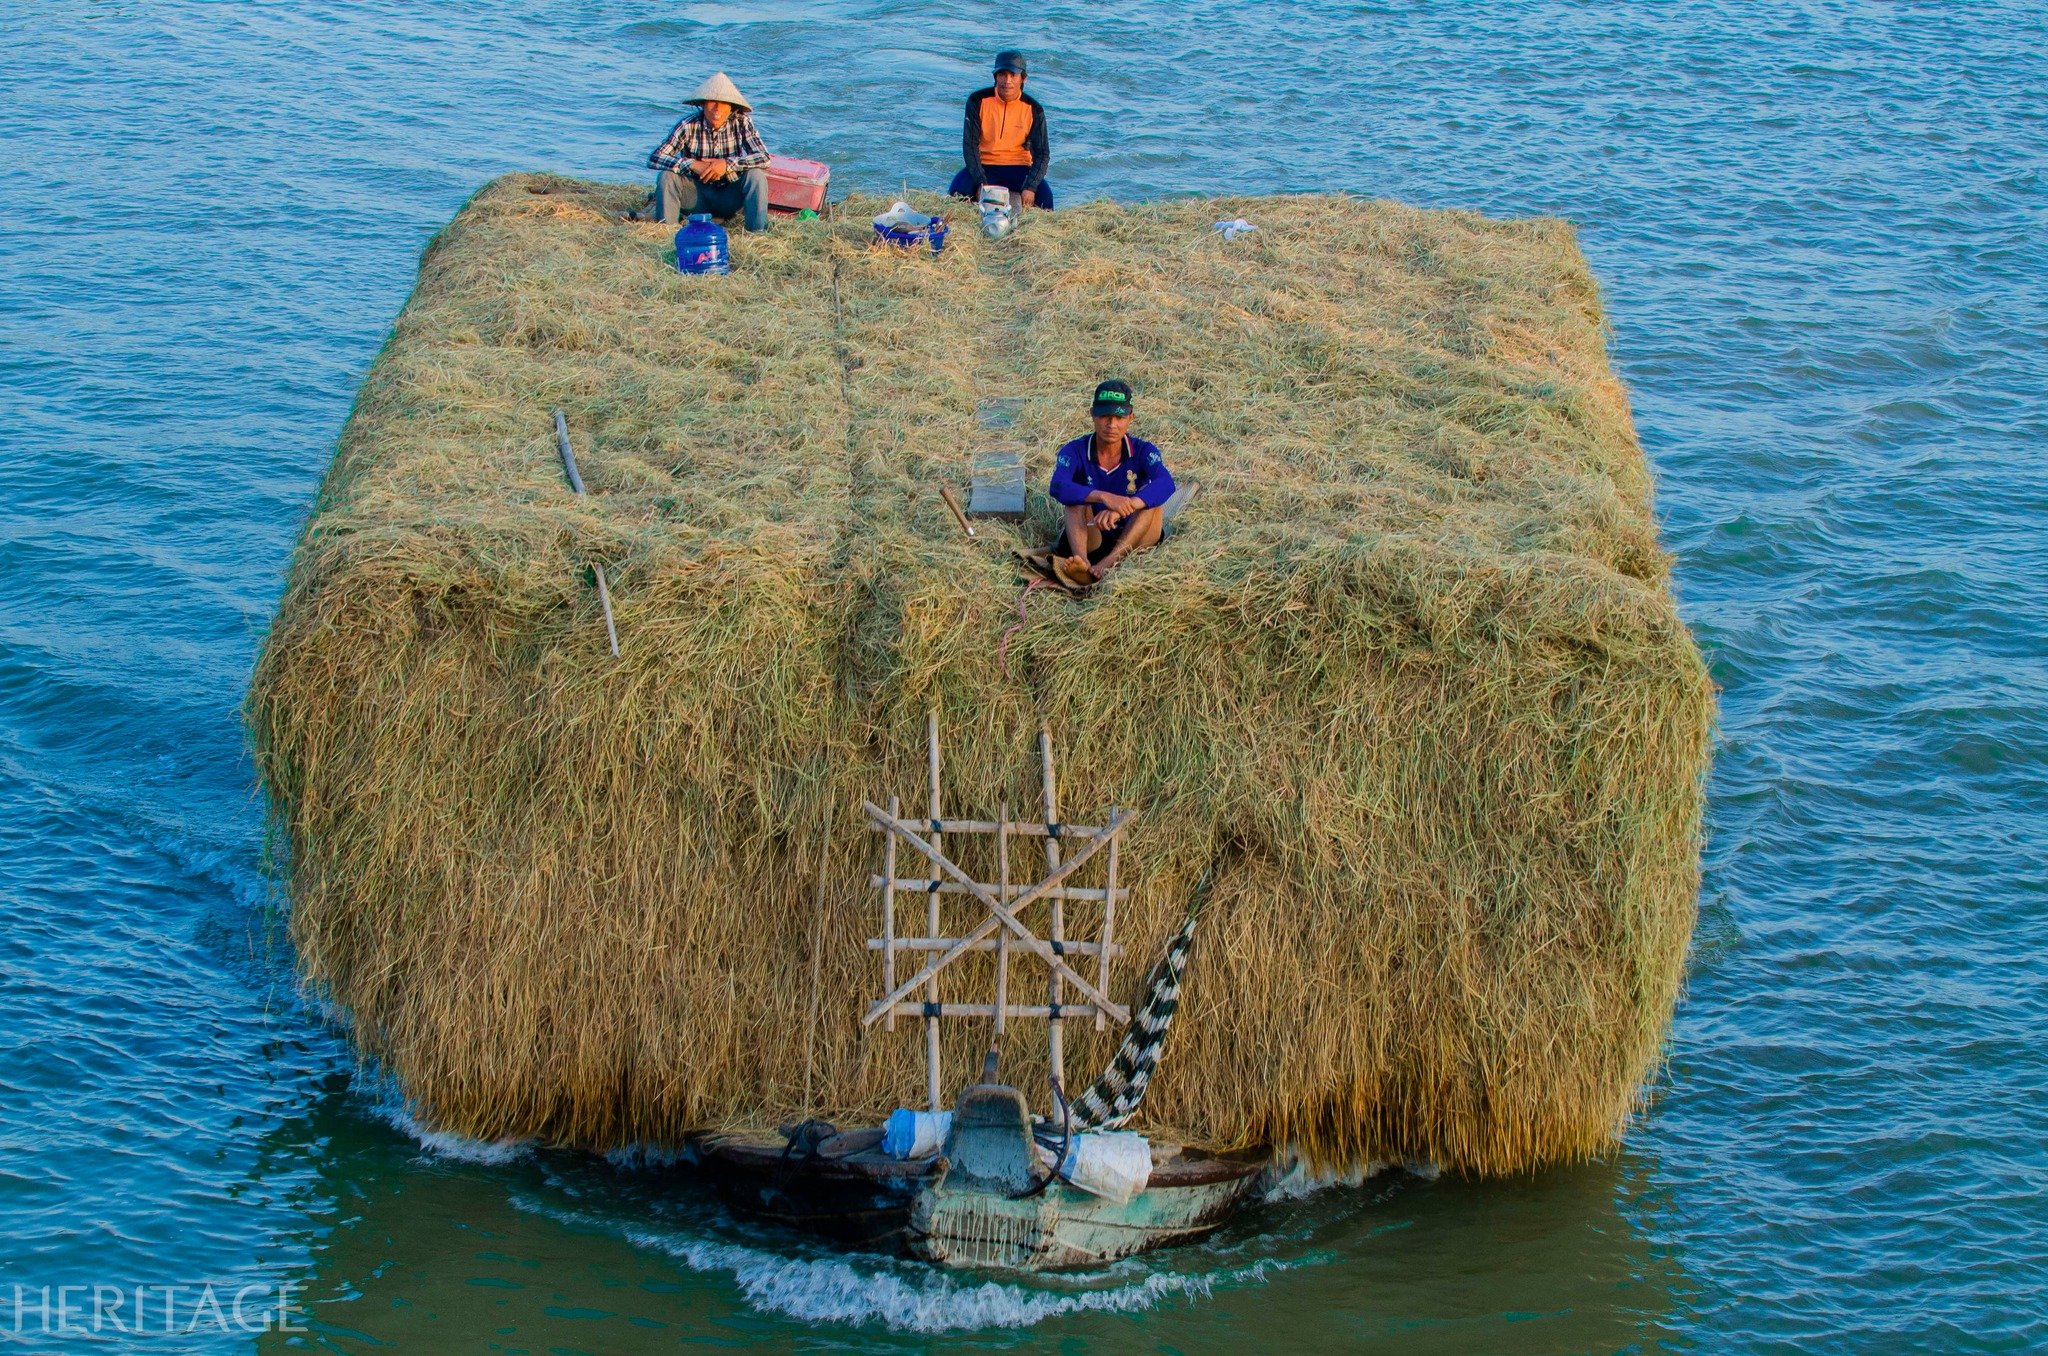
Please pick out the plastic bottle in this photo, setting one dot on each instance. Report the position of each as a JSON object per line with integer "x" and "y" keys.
{"x": 701, "y": 246}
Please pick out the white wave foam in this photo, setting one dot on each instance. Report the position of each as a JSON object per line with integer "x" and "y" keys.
{"x": 905, "y": 1296}
{"x": 924, "y": 1300}
{"x": 391, "y": 1105}
{"x": 1295, "y": 1180}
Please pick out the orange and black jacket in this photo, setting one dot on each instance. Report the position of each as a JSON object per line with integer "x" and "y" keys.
{"x": 1035, "y": 141}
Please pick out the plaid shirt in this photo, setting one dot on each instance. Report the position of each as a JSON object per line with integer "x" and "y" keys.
{"x": 736, "y": 143}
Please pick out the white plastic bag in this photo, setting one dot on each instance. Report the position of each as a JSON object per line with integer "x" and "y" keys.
{"x": 1114, "y": 1164}
{"x": 1235, "y": 227}
{"x": 900, "y": 214}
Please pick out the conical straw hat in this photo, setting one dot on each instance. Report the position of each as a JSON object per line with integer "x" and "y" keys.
{"x": 720, "y": 88}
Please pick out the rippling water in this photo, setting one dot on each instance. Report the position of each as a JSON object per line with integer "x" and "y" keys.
{"x": 1821, "y": 228}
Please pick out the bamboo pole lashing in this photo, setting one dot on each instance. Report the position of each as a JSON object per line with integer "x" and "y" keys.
{"x": 1055, "y": 1035}
{"x": 1027, "y": 827}
{"x": 1082, "y": 894}
{"x": 1002, "y": 938}
{"x": 932, "y": 929}
{"x": 1108, "y": 924}
{"x": 944, "y": 943}
{"x": 1002, "y": 917}
{"x": 889, "y": 911}
{"x": 1018, "y": 1010}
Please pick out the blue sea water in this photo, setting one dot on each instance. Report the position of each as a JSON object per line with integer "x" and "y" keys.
{"x": 1823, "y": 233}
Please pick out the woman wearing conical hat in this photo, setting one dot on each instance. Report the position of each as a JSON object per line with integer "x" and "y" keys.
{"x": 713, "y": 160}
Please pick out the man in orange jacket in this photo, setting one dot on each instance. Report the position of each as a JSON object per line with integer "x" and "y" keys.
{"x": 1004, "y": 140}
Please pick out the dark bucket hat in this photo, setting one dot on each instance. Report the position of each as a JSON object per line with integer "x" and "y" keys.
{"x": 1010, "y": 61}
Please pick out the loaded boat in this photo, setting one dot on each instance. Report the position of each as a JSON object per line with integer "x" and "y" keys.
{"x": 988, "y": 1184}
{"x": 987, "y": 1198}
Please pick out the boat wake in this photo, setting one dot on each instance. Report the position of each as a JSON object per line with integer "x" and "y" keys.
{"x": 817, "y": 1286}
{"x": 914, "y": 1297}
{"x": 1296, "y": 1180}
{"x": 811, "y": 1283}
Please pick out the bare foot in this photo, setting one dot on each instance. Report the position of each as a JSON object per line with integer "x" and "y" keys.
{"x": 1076, "y": 571}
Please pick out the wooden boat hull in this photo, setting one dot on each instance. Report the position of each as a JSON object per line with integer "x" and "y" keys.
{"x": 863, "y": 1198}
{"x": 1064, "y": 1227}
{"x": 984, "y": 1201}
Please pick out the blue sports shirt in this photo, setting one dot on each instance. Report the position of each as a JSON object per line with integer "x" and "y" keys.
{"x": 1140, "y": 472}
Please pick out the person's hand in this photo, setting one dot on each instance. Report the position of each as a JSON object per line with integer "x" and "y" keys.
{"x": 1030, "y": 198}
{"x": 1108, "y": 519}
{"x": 710, "y": 171}
{"x": 1126, "y": 504}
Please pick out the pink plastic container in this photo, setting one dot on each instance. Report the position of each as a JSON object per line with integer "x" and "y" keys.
{"x": 796, "y": 184}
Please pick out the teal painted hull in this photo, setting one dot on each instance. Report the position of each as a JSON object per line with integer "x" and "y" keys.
{"x": 984, "y": 1201}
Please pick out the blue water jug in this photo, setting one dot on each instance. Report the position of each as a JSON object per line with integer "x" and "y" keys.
{"x": 701, "y": 246}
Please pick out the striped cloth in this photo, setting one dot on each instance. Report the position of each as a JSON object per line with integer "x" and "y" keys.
{"x": 736, "y": 143}
{"x": 1113, "y": 1098}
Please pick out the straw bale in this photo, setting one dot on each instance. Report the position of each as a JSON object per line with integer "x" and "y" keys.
{"x": 1408, "y": 680}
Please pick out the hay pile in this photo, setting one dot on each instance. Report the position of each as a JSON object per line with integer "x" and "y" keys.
{"x": 1409, "y": 678}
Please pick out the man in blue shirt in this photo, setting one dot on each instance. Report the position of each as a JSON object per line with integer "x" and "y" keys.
{"x": 1115, "y": 489}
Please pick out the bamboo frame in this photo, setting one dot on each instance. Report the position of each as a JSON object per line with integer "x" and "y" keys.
{"x": 1001, "y": 916}
{"x": 1003, "y": 930}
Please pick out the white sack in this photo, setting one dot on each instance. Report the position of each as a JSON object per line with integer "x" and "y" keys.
{"x": 1114, "y": 1164}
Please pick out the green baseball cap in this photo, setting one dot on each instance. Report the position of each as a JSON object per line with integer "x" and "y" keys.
{"x": 1112, "y": 397}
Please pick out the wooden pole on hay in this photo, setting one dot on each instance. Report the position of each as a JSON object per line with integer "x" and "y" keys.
{"x": 931, "y": 988}
{"x": 604, "y": 593}
{"x": 1056, "y": 1049}
{"x": 958, "y": 516}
